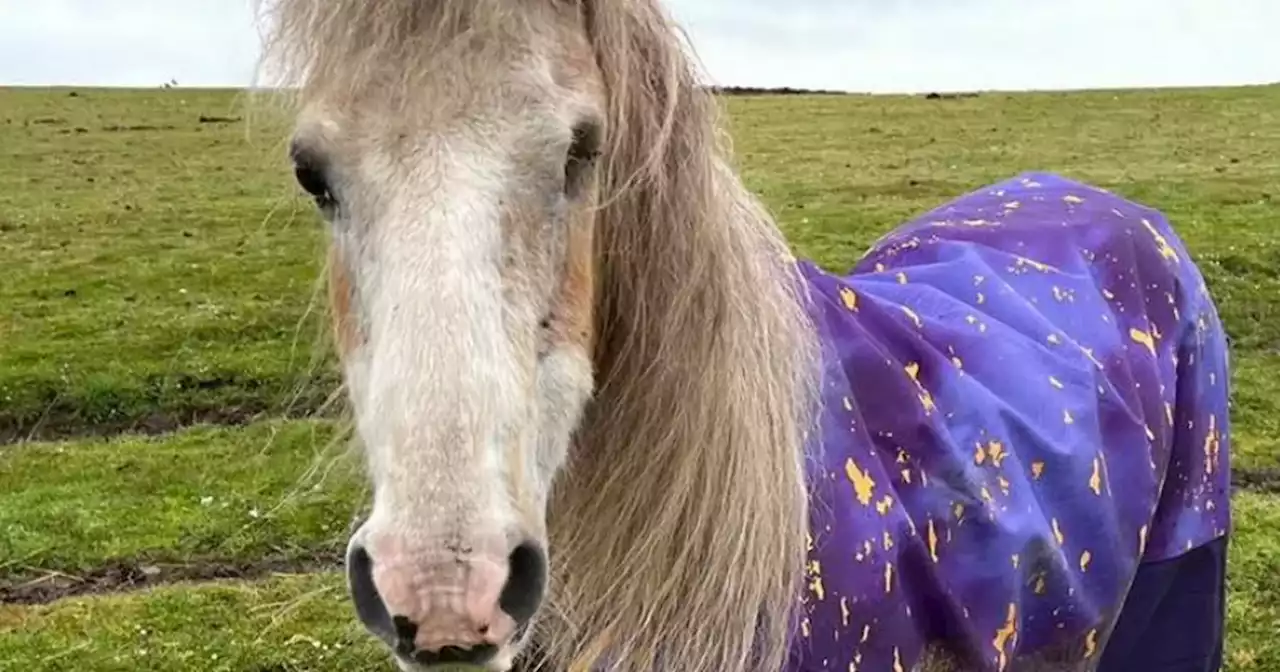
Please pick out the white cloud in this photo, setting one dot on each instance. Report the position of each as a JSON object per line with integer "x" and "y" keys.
{"x": 863, "y": 45}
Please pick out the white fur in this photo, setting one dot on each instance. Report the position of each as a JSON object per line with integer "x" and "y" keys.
{"x": 463, "y": 423}
{"x": 443, "y": 385}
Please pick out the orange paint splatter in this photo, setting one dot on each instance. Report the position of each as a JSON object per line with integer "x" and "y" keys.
{"x": 926, "y": 402}
{"x": 1143, "y": 338}
{"x": 997, "y": 452}
{"x": 850, "y": 299}
{"x": 817, "y": 588}
{"x": 863, "y": 485}
{"x": 1006, "y": 635}
{"x": 1091, "y": 643}
{"x": 1212, "y": 446}
{"x": 883, "y": 506}
{"x": 1162, "y": 244}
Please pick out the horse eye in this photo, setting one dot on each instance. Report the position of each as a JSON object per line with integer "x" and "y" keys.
{"x": 312, "y": 180}
{"x": 583, "y": 152}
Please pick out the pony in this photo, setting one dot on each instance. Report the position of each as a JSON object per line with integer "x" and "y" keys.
{"x": 610, "y": 422}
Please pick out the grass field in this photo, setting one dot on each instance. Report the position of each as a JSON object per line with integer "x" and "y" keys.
{"x": 164, "y": 368}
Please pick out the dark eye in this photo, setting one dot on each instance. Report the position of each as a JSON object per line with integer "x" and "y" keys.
{"x": 583, "y": 152}
{"x": 313, "y": 181}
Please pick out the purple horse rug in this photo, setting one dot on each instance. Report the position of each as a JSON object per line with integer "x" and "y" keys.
{"x": 1023, "y": 460}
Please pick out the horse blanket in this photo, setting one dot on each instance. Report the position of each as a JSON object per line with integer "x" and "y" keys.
{"x": 1025, "y": 400}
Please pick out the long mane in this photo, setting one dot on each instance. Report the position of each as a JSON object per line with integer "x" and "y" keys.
{"x": 678, "y": 530}
{"x": 680, "y": 526}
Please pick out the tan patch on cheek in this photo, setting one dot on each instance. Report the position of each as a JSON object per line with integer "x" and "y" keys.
{"x": 340, "y": 292}
{"x": 572, "y": 313}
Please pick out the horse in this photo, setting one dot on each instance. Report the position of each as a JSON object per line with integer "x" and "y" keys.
{"x": 612, "y": 423}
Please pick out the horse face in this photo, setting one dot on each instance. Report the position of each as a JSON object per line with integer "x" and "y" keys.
{"x": 461, "y": 282}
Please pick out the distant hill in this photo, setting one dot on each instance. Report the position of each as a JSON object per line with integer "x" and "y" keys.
{"x": 789, "y": 91}
{"x": 783, "y": 91}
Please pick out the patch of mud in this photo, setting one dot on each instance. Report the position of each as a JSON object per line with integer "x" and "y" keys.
{"x": 125, "y": 576}
{"x": 1257, "y": 480}
{"x": 57, "y": 427}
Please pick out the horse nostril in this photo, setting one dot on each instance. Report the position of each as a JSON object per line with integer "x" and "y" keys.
{"x": 526, "y": 582}
{"x": 478, "y": 655}
{"x": 369, "y": 605}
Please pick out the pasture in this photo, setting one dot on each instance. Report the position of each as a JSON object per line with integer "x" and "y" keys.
{"x": 175, "y": 491}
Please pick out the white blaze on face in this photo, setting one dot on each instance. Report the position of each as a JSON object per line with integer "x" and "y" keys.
{"x": 447, "y": 394}
{"x": 444, "y": 384}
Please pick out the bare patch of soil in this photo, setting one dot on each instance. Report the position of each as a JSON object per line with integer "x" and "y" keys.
{"x": 126, "y": 575}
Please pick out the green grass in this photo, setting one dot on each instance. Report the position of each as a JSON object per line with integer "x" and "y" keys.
{"x": 157, "y": 268}
{"x": 285, "y": 490}
{"x": 168, "y": 273}
{"x": 306, "y": 623}
{"x": 287, "y": 623}
{"x": 160, "y": 270}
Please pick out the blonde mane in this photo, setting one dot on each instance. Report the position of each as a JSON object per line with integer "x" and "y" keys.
{"x": 678, "y": 529}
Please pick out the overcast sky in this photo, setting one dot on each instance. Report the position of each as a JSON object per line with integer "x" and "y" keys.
{"x": 857, "y": 45}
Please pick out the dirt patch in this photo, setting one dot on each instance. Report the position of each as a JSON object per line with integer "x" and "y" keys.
{"x": 124, "y": 128}
{"x": 125, "y": 575}
{"x": 57, "y": 426}
{"x": 1257, "y": 480}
